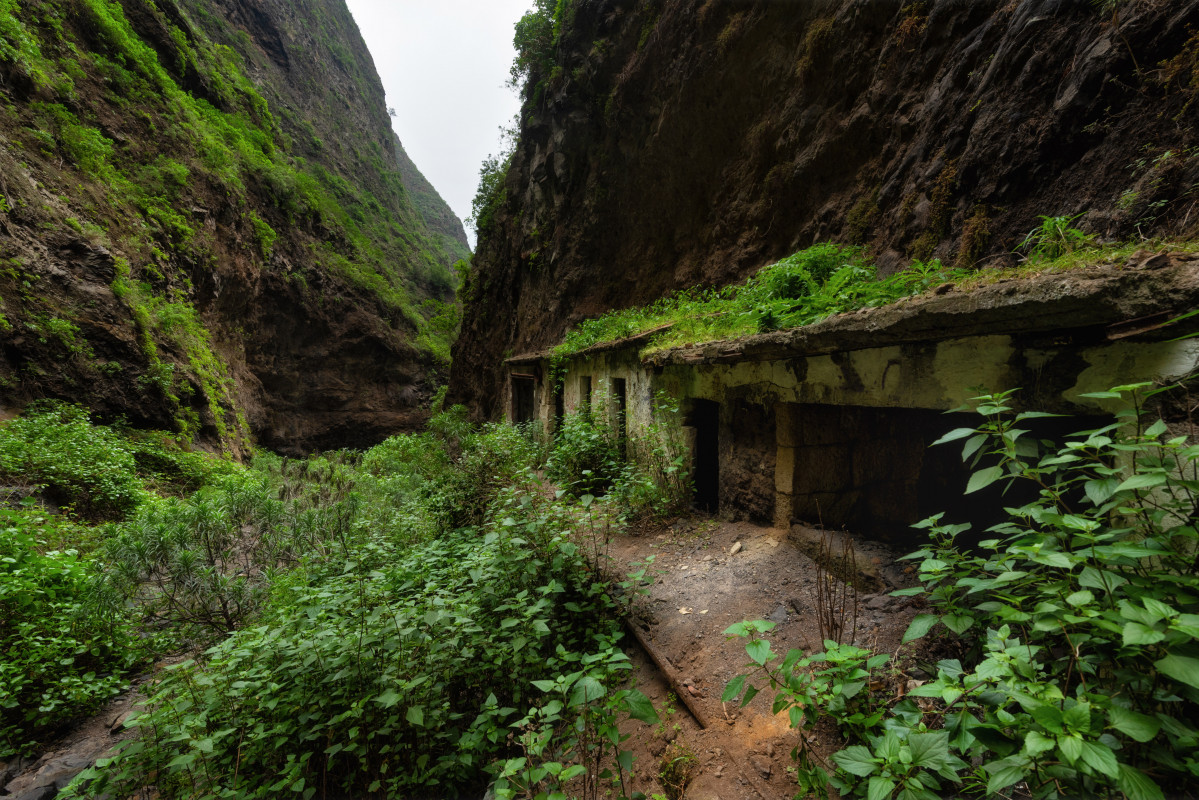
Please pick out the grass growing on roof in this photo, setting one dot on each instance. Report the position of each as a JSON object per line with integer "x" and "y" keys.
{"x": 803, "y": 288}
{"x": 807, "y": 287}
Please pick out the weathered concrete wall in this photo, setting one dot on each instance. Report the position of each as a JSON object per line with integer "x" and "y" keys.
{"x": 810, "y": 433}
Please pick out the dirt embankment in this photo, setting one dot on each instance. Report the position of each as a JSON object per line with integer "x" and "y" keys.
{"x": 673, "y": 146}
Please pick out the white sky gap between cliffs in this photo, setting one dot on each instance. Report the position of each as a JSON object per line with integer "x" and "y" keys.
{"x": 444, "y": 66}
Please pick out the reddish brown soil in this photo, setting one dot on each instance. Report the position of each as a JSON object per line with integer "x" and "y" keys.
{"x": 699, "y": 591}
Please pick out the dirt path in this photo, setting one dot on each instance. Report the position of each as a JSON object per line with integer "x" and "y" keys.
{"x": 701, "y": 589}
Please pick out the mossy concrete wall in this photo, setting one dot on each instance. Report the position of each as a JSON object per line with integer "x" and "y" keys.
{"x": 841, "y": 438}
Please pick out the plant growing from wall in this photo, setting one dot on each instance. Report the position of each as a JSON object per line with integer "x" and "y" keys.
{"x": 1053, "y": 238}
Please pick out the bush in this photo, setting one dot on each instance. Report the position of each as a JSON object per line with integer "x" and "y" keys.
{"x": 87, "y": 467}
{"x": 392, "y": 671}
{"x": 586, "y": 455}
{"x": 1083, "y": 616}
{"x": 63, "y": 651}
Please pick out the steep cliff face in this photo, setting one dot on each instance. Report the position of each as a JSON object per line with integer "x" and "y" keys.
{"x": 676, "y": 143}
{"x": 436, "y": 213}
{"x": 205, "y": 226}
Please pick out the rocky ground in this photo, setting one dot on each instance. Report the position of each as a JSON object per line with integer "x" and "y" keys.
{"x": 41, "y": 778}
{"x": 711, "y": 574}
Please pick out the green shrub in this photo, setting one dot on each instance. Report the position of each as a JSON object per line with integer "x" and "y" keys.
{"x": 1083, "y": 613}
{"x": 1054, "y": 238}
{"x": 63, "y": 650}
{"x": 392, "y": 671}
{"x": 802, "y": 289}
{"x": 586, "y": 454}
{"x": 87, "y": 467}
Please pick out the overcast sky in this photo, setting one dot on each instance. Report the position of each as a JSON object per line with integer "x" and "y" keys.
{"x": 444, "y": 65}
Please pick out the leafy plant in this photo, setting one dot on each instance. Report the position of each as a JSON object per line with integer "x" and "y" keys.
{"x": 1054, "y": 238}
{"x": 393, "y": 668}
{"x": 829, "y": 683}
{"x": 88, "y": 467}
{"x": 586, "y": 455}
{"x": 1083, "y": 677}
{"x": 64, "y": 650}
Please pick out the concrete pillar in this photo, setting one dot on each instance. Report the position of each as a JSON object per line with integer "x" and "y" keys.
{"x": 786, "y": 439}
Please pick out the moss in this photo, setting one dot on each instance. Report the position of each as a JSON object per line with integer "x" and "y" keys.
{"x": 976, "y": 236}
{"x": 1181, "y": 73}
{"x": 817, "y": 46}
{"x": 862, "y": 218}
{"x": 940, "y": 209}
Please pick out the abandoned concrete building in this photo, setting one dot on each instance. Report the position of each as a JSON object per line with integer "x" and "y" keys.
{"x": 831, "y": 423}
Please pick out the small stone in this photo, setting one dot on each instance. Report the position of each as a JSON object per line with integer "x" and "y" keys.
{"x": 762, "y": 765}
{"x": 769, "y": 750}
{"x": 879, "y": 603}
{"x": 735, "y": 549}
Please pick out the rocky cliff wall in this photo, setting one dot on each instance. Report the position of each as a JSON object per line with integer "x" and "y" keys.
{"x": 204, "y": 225}
{"x": 676, "y": 143}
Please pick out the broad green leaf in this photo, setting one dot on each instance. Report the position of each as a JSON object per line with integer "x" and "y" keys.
{"x": 1133, "y": 724}
{"x": 759, "y": 651}
{"x": 1142, "y": 481}
{"x": 572, "y": 772}
{"x": 929, "y": 749}
{"x": 1136, "y": 785}
{"x": 1156, "y": 429}
{"x": 586, "y": 690}
{"x": 1036, "y": 743}
{"x": 1100, "y": 758}
{"x": 1183, "y": 669}
{"x": 921, "y": 625}
{"x": 972, "y": 445}
{"x": 415, "y": 715}
{"x": 182, "y": 760}
{"x": 1080, "y": 598}
{"x": 640, "y": 707}
{"x": 1003, "y": 777}
{"x": 1136, "y": 633}
{"x": 1070, "y": 747}
{"x": 880, "y": 788}
{"x": 958, "y": 623}
{"x": 733, "y": 689}
{"x": 1078, "y": 718}
{"x": 545, "y": 686}
{"x": 855, "y": 760}
{"x": 388, "y": 698}
{"x": 1099, "y": 491}
{"x": 954, "y": 435}
{"x": 983, "y": 478}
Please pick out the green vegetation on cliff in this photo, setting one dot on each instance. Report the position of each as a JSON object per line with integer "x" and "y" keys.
{"x": 129, "y": 131}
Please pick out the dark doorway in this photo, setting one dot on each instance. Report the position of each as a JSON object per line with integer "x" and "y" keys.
{"x": 705, "y": 418}
{"x": 523, "y": 408}
{"x": 620, "y": 400}
{"x": 585, "y": 394}
{"x": 559, "y": 405}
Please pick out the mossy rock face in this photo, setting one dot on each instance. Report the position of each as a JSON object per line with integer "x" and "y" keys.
{"x": 178, "y": 235}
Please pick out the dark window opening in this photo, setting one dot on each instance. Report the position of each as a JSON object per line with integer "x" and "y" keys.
{"x": 705, "y": 418}
{"x": 585, "y": 394}
{"x": 523, "y": 405}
